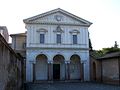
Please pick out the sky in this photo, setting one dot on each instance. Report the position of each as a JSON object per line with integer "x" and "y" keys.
{"x": 104, "y": 14}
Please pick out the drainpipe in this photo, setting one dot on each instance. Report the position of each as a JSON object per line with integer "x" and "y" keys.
{"x": 101, "y": 72}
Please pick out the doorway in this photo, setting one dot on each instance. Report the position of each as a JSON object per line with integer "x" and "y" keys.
{"x": 56, "y": 71}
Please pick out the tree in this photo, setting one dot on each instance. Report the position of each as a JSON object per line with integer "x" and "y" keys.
{"x": 115, "y": 45}
{"x": 90, "y": 45}
{"x": 110, "y": 50}
{"x": 107, "y": 50}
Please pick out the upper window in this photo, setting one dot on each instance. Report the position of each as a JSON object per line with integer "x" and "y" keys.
{"x": 58, "y": 38}
{"x": 74, "y": 39}
{"x": 42, "y": 38}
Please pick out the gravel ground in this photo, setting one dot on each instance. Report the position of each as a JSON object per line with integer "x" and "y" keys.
{"x": 71, "y": 86}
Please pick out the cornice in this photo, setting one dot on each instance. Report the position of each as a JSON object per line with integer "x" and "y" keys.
{"x": 58, "y": 23}
{"x": 57, "y": 48}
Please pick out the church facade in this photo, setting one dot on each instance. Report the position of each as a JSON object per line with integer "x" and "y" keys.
{"x": 57, "y": 47}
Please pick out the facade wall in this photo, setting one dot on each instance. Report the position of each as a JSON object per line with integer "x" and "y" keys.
{"x": 68, "y": 26}
{"x": 33, "y": 53}
{"x": 33, "y": 38}
{"x": 11, "y": 76}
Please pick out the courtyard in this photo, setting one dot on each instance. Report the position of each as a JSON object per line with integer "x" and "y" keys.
{"x": 71, "y": 86}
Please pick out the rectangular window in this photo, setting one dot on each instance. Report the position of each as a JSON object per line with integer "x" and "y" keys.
{"x": 58, "y": 38}
{"x": 74, "y": 39}
{"x": 42, "y": 38}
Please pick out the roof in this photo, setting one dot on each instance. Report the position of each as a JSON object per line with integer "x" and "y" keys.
{"x": 3, "y": 28}
{"x": 94, "y": 54}
{"x": 110, "y": 55}
{"x": 3, "y": 41}
{"x": 28, "y": 20}
{"x": 18, "y": 34}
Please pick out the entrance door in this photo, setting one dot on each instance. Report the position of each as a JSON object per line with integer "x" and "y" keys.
{"x": 56, "y": 71}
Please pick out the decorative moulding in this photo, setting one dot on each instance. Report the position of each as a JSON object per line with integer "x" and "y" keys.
{"x": 58, "y": 29}
{"x": 58, "y": 17}
{"x": 42, "y": 30}
{"x": 75, "y": 31}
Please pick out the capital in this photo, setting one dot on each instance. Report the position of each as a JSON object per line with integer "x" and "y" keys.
{"x": 50, "y": 62}
{"x": 67, "y": 62}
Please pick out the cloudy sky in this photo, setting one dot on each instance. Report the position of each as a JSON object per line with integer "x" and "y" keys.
{"x": 104, "y": 14}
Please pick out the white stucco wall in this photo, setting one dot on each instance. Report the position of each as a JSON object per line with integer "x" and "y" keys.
{"x": 33, "y": 53}
{"x": 33, "y": 39}
{"x": 50, "y": 48}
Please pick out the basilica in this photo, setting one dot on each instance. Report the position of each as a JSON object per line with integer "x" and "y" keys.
{"x": 57, "y": 47}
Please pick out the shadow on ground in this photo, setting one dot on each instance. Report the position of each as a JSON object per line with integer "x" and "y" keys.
{"x": 70, "y": 86}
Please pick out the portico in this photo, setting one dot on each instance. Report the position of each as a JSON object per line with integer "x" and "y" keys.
{"x": 57, "y": 69}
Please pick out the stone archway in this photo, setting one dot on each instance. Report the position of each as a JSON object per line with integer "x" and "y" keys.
{"x": 41, "y": 67}
{"x": 58, "y": 67}
{"x": 75, "y": 63}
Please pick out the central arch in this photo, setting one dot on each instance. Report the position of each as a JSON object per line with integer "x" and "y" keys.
{"x": 58, "y": 67}
{"x": 75, "y": 67}
{"x": 41, "y": 68}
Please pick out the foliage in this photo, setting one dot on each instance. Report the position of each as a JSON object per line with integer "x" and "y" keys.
{"x": 116, "y": 45}
{"x": 104, "y": 51}
{"x": 110, "y": 50}
{"x": 90, "y": 45}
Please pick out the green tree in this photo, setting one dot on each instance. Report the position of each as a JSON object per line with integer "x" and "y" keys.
{"x": 104, "y": 51}
{"x": 90, "y": 45}
{"x": 115, "y": 45}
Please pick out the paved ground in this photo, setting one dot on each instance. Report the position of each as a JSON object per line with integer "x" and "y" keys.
{"x": 71, "y": 86}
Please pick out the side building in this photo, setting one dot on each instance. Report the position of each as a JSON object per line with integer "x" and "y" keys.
{"x": 19, "y": 46}
{"x": 105, "y": 69}
{"x": 11, "y": 67}
{"x": 4, "y": 32}
{"x": 57, "y": 47}
{"x": 19, "y": 43}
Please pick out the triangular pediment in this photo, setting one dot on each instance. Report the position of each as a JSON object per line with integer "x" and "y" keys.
{"x": 57, "y": 16}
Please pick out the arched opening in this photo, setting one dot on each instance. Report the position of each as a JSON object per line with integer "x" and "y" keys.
{"x": 75, "y": 67}
{"x": 94, "y": 71}
{"x": 58, "y": 67}
{"x": 41, "y": 68}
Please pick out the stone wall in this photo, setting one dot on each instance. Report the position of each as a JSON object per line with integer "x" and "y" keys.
{"x": 11, "y": 67}
{"x": 110, "y": 71}
{"x": 105, "y": 70}
{"x": 95, "y": 69}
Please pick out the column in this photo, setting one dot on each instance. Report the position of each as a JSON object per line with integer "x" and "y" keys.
{"x": 34, "y": 76}
{"x": 50, "y": 63}
{"x": 68, "y": 64}
{"x": 67, "y": 70}
{"x": 29, "y": 71}
{"x": 85, "y": 66}
{"x": 82, "y": 71}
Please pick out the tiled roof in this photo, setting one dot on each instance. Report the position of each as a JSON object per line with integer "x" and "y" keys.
{"x": 110, "y": 55}
{"x": 94, "y": 54}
